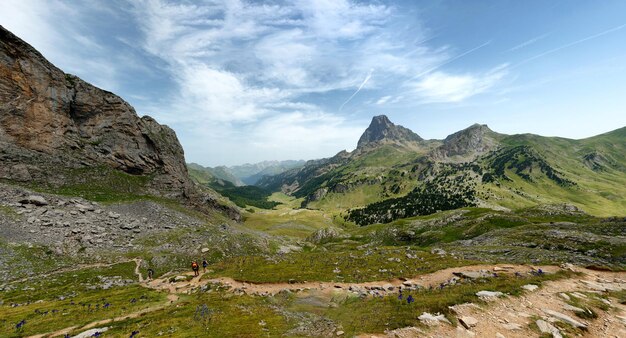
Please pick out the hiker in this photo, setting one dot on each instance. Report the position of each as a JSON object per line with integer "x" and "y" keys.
{"x": 150, "y": 274}
{"x": 195, "y": 267}
{"x": 204, "y": 265}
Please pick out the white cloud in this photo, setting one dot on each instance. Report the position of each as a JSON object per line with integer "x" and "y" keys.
{"x": 444, "y": 87}
{"x": 55, "y": 28}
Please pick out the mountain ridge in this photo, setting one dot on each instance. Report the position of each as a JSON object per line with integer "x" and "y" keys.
{"x": 477, "y": 165}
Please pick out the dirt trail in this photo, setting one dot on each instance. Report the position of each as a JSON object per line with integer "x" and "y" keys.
{"x": 510, "y": 317}
{"x": 493, "y": 318}
{"x": 137, "y": 272}
{"x": 426, "y": 280}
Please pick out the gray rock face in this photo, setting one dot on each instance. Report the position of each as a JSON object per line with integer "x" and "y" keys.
{"x": 381, "y": 130}
{"x": 49, "y": 119}
{"x": 468, "y": 143}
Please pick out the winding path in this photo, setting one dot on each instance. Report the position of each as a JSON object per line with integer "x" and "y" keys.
{"x": 434, "y": 279}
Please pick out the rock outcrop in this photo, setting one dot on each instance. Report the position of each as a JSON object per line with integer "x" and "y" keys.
{"x": 50, "y": 121}
{"x": 383, "y": 131}
{"x": 467, "y": 144}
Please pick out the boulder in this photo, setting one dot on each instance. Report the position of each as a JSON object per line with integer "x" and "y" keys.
{"x": 468, "y": 322}
{"x": 548, "y": 328}
{"x": 530, "y": 287}
{"x": 489, "y": 295}
{"x": 565, "y": 318}
{"x": 432, "y": 320}
{"x": 34, "y": 200}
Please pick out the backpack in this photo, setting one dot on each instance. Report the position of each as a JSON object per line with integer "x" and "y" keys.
{"x": 194, "y": 265}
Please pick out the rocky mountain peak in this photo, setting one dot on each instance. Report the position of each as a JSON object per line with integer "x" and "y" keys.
{"x": 468, "y": 143}
{"x": 382, "y": 131}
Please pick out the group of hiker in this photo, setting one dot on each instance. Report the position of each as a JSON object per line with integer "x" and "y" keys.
{"x": 196, "y": 268}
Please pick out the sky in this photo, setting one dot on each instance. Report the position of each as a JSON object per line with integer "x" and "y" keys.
{"x": 247, "y": 81}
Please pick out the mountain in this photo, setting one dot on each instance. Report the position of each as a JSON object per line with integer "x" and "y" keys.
{"x": 222, "y": 173}
{"x": 382, "y": 131}
{"x": 393, "y": 173}
{"x": 51, "y": 120}
{"x": 250, "y": 173}
{"x": 60, "y": 133}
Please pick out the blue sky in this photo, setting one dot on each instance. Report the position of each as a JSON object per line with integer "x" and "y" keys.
{"x": 246, "y": 81}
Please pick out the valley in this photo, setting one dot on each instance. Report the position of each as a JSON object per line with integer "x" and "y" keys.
{"x": 480, "y": 234}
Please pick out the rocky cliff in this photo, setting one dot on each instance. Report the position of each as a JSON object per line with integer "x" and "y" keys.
{"x": 51, "y": 121}
{"x": 383, "y": 131}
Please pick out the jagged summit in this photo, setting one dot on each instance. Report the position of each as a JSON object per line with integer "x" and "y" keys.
{"x": 381, "y": 130}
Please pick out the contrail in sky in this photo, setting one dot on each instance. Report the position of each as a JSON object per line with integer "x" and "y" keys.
{"x": 611, "y": 30}
{"x": 448, "y": 61}
{"x": 369, "y": 75}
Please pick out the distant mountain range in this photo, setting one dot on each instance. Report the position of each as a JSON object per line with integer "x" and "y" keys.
{"x": 248, "y": 174}
{"x": 394, "y": 173}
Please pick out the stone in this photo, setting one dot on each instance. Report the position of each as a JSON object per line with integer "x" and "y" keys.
{"x": 572, "y": 308}
{"x": 548, "y": 328}
{"x": 565, "y": 318}
{"x": 340, "y": 333}
{"x": 204, "y": 250}
{"x": 34, "y": 200}
{"x": 472, "y": 274}
{"x": 530, "y": 287}
{"x": 489, "y": 295}
{"x": 468, "y": 322}
{"x": 91, "y": 332}
{"x": 432, "y": 320}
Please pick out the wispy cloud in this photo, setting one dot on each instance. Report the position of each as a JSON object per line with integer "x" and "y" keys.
{"x": 443, "y": 87}
{"x": 573, "y": 43}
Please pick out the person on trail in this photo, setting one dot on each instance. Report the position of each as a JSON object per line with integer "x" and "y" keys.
{"x": 195, "y": 267}
{"x": 204, "y": 265}
{"x": 150, "y": 274}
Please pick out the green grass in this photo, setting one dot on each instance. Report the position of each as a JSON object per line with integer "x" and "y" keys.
{"x": 288, "y": 222}
{"x": 78, "y": 310}
{"x": 44, "y": 310}
{"x": 354, "y": 265}
{"x": 227, "y": 316}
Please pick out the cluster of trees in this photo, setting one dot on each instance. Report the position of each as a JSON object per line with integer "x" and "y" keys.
{"x": 425, "y": 200}
{"x": 522, "y": 159}
{"x": 248, "y": 195}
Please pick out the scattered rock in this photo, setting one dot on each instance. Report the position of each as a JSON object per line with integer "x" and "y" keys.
{"x": 34, "y": 200}
{"x": 565, "y": 318}
{"x": 91, "y": 333}
{"x": 489, "y": 295}
{"x": 546, "y": 327}
{"x": 468, "y": 322}
{"x": 572, "y": 308}
{"x": 432, "y": 320}
{"x": 530, "y": 287}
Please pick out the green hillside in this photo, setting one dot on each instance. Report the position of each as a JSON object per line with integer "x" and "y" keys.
{"x": 391, "y": 179}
